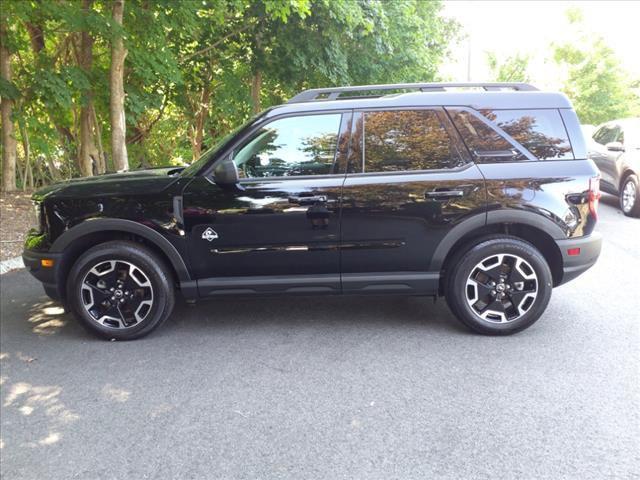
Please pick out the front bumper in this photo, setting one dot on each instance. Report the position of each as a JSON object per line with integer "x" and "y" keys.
{"x": 49, "y": 276}
{"x": 574, "y": 265}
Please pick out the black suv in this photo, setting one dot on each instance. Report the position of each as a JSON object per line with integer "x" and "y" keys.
{"x": 482, "y": 193}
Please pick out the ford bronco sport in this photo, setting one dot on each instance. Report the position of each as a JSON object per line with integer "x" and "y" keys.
{"x": 481, "y": 193}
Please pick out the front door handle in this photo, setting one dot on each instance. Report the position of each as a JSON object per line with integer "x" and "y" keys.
{"x": 311, "y": 200}
{"x": 444, "y": 194}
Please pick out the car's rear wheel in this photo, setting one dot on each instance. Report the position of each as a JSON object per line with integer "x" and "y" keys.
{"x": 120, "y": 290}
{"x": 499, "y": 286}
{"x": 630, "y": 196}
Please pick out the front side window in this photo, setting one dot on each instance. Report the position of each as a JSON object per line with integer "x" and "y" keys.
{"x": 407, "y": 140}
{"x": 607, "y": 134}
{"x": 290, "y": 146}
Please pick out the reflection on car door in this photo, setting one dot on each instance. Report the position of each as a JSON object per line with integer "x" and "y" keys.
{"x": 409, "y": 182}
{"x": 279, "y": 228}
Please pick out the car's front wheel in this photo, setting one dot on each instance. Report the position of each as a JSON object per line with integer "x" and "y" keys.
{"x": 630, "y": 196}
{"x": 120, "y": 290}
{"x": 499, "y": 286}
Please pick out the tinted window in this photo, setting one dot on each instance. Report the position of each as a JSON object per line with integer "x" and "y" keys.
{"x": 290, "y": 146}
{"x": 485, "y": 144}
{"x": 606, "y": 134}
{"x": 407, "y": 140}
{"x": 539, "y": 131}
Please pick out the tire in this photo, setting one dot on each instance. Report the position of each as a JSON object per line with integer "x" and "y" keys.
{"x": 120, "y": 279}
{"x": 477, "y": 304}
{"x": 630, "y": 196}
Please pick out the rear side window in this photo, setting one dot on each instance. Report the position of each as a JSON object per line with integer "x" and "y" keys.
{"x": 485, "y": 144}
{"x": 541, "y": 132}
{"x": 405, "y": 140}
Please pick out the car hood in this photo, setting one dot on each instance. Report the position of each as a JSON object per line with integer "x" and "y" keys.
{"x": 125, "y": 183}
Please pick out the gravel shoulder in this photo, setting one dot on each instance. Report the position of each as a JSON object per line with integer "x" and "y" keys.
{"x": 16, "y": 218}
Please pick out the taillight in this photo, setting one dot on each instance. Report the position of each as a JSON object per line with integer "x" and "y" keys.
{"x": 594, "y": 196}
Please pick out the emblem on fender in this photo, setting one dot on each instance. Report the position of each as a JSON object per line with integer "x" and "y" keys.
{"x": 209, "y": 234}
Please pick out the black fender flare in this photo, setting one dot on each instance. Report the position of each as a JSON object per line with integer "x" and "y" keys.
{"x": 494, "y": 217}
{"x": 127, "y": 226}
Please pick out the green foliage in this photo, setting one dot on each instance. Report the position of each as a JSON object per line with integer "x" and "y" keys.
{"x": 190, "y": 65}
{"x": 596, "y": 82}
{"x": 512, "y": 69}
{"x": 8, "y": 89}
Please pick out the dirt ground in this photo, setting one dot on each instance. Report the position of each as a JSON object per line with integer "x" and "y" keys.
{"x": 17, "y": 216}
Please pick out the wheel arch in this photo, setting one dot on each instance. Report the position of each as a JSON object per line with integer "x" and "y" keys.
{"x": 627, "y": 172}
{"x": 79, "y": 238}
{"x": 527, "y": 226}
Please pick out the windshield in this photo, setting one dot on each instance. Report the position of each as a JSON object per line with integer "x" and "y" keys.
{"x": 210, "y": 154}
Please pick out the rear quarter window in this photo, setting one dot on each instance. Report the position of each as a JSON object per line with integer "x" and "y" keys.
{"x": 541, "y": 132}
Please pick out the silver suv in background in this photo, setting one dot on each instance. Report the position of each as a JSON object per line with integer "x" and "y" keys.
{"x": 615, "y": 149}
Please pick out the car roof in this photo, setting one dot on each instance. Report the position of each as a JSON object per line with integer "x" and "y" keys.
{"x": 497, "y": 100}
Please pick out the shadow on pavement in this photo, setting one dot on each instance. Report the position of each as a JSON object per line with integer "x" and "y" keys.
{"x": 45, "y": 317}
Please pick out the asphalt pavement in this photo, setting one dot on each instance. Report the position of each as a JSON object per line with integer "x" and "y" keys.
{"x": 331, "y": 387}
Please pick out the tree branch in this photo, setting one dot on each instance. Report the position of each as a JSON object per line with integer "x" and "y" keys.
{"x": 215, "y": 44}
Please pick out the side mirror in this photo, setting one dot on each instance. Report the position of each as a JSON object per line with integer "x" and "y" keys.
{"x": 615, "y": 147}
{"x": 226, "y": 173}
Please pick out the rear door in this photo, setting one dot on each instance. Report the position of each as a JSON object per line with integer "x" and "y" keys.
{"x": 409, "y": 181}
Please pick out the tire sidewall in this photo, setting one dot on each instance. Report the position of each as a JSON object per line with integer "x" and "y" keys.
{"x": 635, "y": 209}
{"x": 493, "y": 247}
{"x": 129, "y": 252}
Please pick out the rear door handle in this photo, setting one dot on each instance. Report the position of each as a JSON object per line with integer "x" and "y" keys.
{"x": 308, "y": 200}
{"x": 443, "y": 194}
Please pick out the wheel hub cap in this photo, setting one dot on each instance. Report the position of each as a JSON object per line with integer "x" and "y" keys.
{"x": 628, "y": 196}
{"x": 501, "y": 288}
{"x": 117, "y": 294}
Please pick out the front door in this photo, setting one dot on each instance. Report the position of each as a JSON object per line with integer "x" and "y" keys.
{"x": 278, "y": 230}
{"x": 409, "y": 182}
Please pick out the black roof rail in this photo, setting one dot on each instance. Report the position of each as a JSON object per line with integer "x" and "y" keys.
{"x": 335, "y": 93}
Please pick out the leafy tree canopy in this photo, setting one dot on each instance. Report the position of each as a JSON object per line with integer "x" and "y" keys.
{"x": 196, "y": 69}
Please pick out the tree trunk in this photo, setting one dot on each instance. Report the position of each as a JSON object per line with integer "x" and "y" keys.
{"x": 26, "y": 147}
{"x": 200, "y": 120}
{"x": 53, "y": 170}
{"x": 87, "y": 147}
{"x": 102, "y": 159}
{"x": 256, "y": 85}
{"x": 9, "y": 149}
{"x": 116, "y": 87}
{"x": 67, "y": 140}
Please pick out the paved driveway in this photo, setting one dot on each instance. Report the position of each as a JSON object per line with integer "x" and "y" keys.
{"x": 331, "y": 388}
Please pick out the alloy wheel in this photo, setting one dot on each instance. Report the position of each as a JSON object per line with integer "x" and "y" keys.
{"x": 117, "y": 294}
{"x": 629, "y": 194}
{"x": 501, "y": 288}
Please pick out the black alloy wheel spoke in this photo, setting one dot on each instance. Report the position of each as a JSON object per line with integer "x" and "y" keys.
{"x": 494, "y": 305}
{"x": 502, "y": 293}
{"x": 116, "y": 296}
